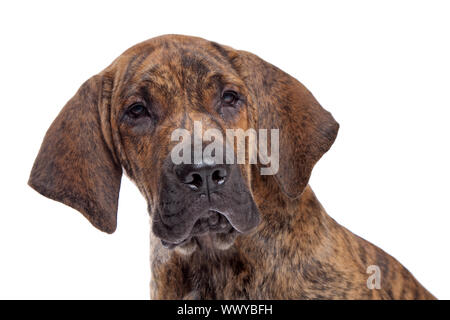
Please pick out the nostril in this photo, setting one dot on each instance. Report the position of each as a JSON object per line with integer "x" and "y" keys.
{"x": 194, "y": 181}
{"x": 219, "y": 176}
{"x": 202, "y": 177}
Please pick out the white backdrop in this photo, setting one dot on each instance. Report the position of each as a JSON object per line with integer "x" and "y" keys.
{"x": 382, "y": 68}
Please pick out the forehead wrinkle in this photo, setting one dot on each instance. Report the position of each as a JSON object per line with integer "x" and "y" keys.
{"x": 133, "y": 60}
{"x": 207, "y": 63}
{"x": 220, "y": 64}
{"x": 135, "y": 63}
{"x": 217, "y": 73}
{"x": 209, "y": 52}
{"x": 198, "y": 73}
{"x": 154, "y": 77}
{"x": 161, "y": 82}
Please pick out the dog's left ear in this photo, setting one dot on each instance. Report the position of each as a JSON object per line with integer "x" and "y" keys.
{"x": 76, "y": 163}
{"x": 306, "y": 130}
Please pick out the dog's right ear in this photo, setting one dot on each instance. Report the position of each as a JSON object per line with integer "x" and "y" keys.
{"x": 76, "y": 164}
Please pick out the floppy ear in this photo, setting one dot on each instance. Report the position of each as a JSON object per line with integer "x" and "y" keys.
{"x": 306, "y": 130}
{"x": 75, "y": 165}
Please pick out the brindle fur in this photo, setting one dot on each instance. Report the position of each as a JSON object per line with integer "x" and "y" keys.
{"x": 296, "y": 251}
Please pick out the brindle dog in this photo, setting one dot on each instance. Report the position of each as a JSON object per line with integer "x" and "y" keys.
{"x": 253, "y": 236}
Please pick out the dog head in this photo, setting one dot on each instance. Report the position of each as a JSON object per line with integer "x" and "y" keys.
{"x": 193, "y": 90}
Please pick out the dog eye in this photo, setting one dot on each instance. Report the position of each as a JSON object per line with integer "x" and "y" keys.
{"x": 230, "y": 97}
{"x": 137, "y": 110}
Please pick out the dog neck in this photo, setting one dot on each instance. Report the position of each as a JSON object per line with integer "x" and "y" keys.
{"x": 303, "y": 220}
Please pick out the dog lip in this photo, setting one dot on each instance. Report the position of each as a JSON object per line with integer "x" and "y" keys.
{"x": 211, "y": 222}
{"x": 216, "y": 223}
{"x": 168, "y": 242}
{"x": 225, "y": 214}
{"x": 167, "y": 245}
{"x": 171, "y": 245}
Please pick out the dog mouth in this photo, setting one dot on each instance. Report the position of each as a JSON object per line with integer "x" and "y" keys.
{"x": 208, "y": 218}
{"x": 213, "y": 225}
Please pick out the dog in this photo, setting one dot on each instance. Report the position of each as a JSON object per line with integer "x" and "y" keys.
{"x": 219, "y": 231}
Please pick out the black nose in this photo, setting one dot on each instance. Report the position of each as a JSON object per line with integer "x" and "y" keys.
{"x": 202, "y": 177}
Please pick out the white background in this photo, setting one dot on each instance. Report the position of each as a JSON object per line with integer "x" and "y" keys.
{"x": 381, "y": 67}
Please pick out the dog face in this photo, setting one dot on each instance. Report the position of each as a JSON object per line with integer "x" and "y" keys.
{"x": 125, "y": 117}
{"x": 172, "y": 84}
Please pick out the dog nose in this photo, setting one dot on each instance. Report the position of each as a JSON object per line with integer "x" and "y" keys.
{"x": 202, "y": 177}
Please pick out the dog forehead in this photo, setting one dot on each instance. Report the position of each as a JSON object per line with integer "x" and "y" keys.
{"x": 176, "y": 54}
{"x": 172, "y": 65}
